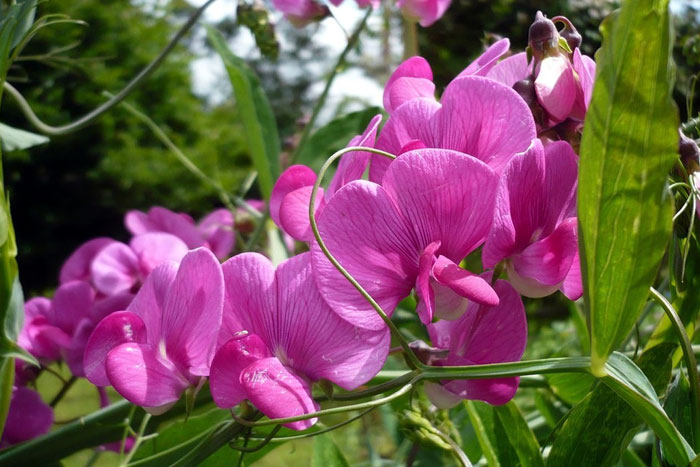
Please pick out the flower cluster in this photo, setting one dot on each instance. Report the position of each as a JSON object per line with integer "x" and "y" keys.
{"x": 481, "y": 176}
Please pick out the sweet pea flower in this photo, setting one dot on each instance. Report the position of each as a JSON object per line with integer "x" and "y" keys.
{"x": 279, "y": 336}
{"x": 433, "y": 208}
{"x": 78, "y": 266}
{"x": 482, "y": 335}
{"x": 301, "y": 12}
{"x": 119, "y": 268}
{"x": 414, "y": 78}
{"x": 476, "y": 116}
{"x": 534, "y": 226}
{"x": 28, "y": 417}
{"x": 217, "y": 230}
{"x": 164, "y": 342}
{"x": 289, "y": 201}
{"x": 39, "y": 335}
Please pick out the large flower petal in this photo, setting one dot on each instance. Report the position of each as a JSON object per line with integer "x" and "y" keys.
{"x": 27, "y": 418}
{"x": 485, "y": 119}
{"x": 464, "y": 283}
{"x": 230, "y": 360}
{"x": 573, "y": 285}
{"x": 413, "y": 67}
{"x": 278, "y": 392}
{"x": 217, "y": 229}
{"x": 556, "y": 86}
{"x": 314, "y": 340}
{"x": 362, "y": 229}
{"x": 155, "y": 248}
{"x": 510, "y": 70}
{"x": 118, "y": 328}
{"x": 71, "y": 303}
{"x": 149, "y": 302}
{"x": 444, "y": 196}
{"x": 352, "y": 165}
{"x": 143, "y": 377}
{"x": 77, "y": 266}
{"x": 180, "y": 225}
{"x": 294, "y": 212}
{"x": 192, "y": 312}
{"x": 487, "y": 60}
{"x": 115, "y": 269}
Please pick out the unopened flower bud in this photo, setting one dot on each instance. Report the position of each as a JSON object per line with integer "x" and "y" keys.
{"x": 689, "y": 152}
{"x": 570, "y": 33}
{"x": 542, "y": 36}
{"x": 526, "y": 89}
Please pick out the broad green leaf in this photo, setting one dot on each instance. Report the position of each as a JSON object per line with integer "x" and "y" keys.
{"x": 629, "y": 144}
{"x": 676, "y": 405}
{"x": 491, "y": 434}
{"x": 519, "y": 434}
{"x": 333, "y": 137}
{"x": 14, "y": 139}
{"x": 327, "y": 454}
{"x": 7, "y": 377}
{"x": 571, "y": 387}
{"x": 599, "y": 428}
{"x": 256, "y": 114}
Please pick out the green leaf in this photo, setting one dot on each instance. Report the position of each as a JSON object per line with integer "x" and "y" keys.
{"x": 519, "y": 434}
{"x": 327, "y": 454}
{"x": 7, "y": 378}
{"x": 598, "y": 429}
{"x": 14, "y": 139}
{"x": 333, "y": 137}
{"x": 629, "y": 145}
{"x": 571, "y": 387}
{"x": 491, "y": 434}
{"x": 256, "y": 114}
{"x": 676, "y": 405}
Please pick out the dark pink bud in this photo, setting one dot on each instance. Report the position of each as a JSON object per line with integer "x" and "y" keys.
{"x": 542, "y": 35}
{"x": 526, "y": 89}
{"x": 570, "y": 33}
{"x": 689, "y": 152}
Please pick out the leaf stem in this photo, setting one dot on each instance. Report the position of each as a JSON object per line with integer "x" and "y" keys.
{"x": 352, "y": 41}
{"x": 690, "y": 363}
{"x": 137, "y": 440}
{"x": 120, "y": 96}
{"x": 64, "y": 389}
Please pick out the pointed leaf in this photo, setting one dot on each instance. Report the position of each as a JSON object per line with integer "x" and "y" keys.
{"x": 14, "y": 139}
{"x": 629, "y": 145}
{"x": 327, "y": 453}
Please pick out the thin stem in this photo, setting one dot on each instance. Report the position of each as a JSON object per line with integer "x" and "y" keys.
{"x": 120, "y": 96}
{"x": 412, "y": 358}
{"x": 64, "y": 389}
{"x": 400, "y": 380}
{"x": 137, "y": 440}
{"x": 690, "y": 363}
{"x": 410, "y": 38}
{"x": 262, "y": 444}
{"x": 456, "y": 450}
{"x": 352, "y": 41}
{"x": 334, "y": 410}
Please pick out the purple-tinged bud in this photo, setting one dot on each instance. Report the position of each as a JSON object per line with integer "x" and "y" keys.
{"x": 526, "y": 89}
{"x": 569, "y": 33}
{"x": 689, "y": 152}
{"x": 543, "y": 35}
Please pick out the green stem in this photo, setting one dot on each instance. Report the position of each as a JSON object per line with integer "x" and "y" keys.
{"x": 64, "y": 389}
{"x": 413, "y": 360}
{"x": 690, "y": 363}
{"x": 120, "y": 96}
{"x": 352, "y": 41}
{"x": 410, "y": 38}
{"x": 138, "y": 439}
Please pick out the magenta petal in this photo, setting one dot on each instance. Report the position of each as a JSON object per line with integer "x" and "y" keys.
{"x": 115, "y": 269}
{"x": 407, "y": 88}
{"x": 155, "y": 248}
{"x": 548, "y": 261}
{"x": 230, "y": 360}
{"x": 441, "y": 397}
{"x": 217, "y": 229}
{"x": 363, "y": 230}
{"x": 192, "y": 312}
{"x": 117, "y": 328}
{"x": 410, "y": 123}
{"x": 28, "y": 416}
{"x": 295, "y": 177}
{"x": 448, "y": 304}
{"x": 149, "y": 302}
{"x": 484, "y": 119}
{"x": 294, "y": 213}
{"x": 464, "y": 283}
{"x": 443, "y": 195}
{"x": 414, "y": 67}
{"x": 495, "y": 391}
{"x": 137, "y": 222}
{"x": 141, "y": 377}
{"x": 77, "y": 266}
{"x": 180, "y": 225}
{"x": 76, "y": 349}
{"x": 352, "y": 165}
{"x": 487, "y": 60}
{"x": 556, "y": 86}
{"x": 426, "y": 309}
{"x": 315, "y": 341}
{"x": 573, "y": 285}
{"x": 278, "y": 392}
{"x": 510, "y": 70}
{"x": 71, "y": 303}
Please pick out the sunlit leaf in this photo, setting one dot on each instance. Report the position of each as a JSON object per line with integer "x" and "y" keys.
{"x": 14, "y": 139}
{"x": 628, "y": 147}
{"x": 327, "y": 453}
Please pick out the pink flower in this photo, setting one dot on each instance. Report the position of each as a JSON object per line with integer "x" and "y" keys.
{"x": 279, "y": 336}
{"x": 534, "y": 227}
{"x": 39, "y": 335}
{"x": 433, "y": 208}
{"x": 165, "y": 341}
{"x": 482, "y": 335}
{"x": 475, "y": 116}
{"x": 217, "y": 230}
{"x": 27, "y": 418}
{"x": 301, "y": 12}
{"x": 289, "y": 201}
{"x": 119, "y": 268}
{"x": 78, "y": 266}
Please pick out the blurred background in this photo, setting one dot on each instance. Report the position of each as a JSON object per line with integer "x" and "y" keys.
{"x": 79, "y": 186}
